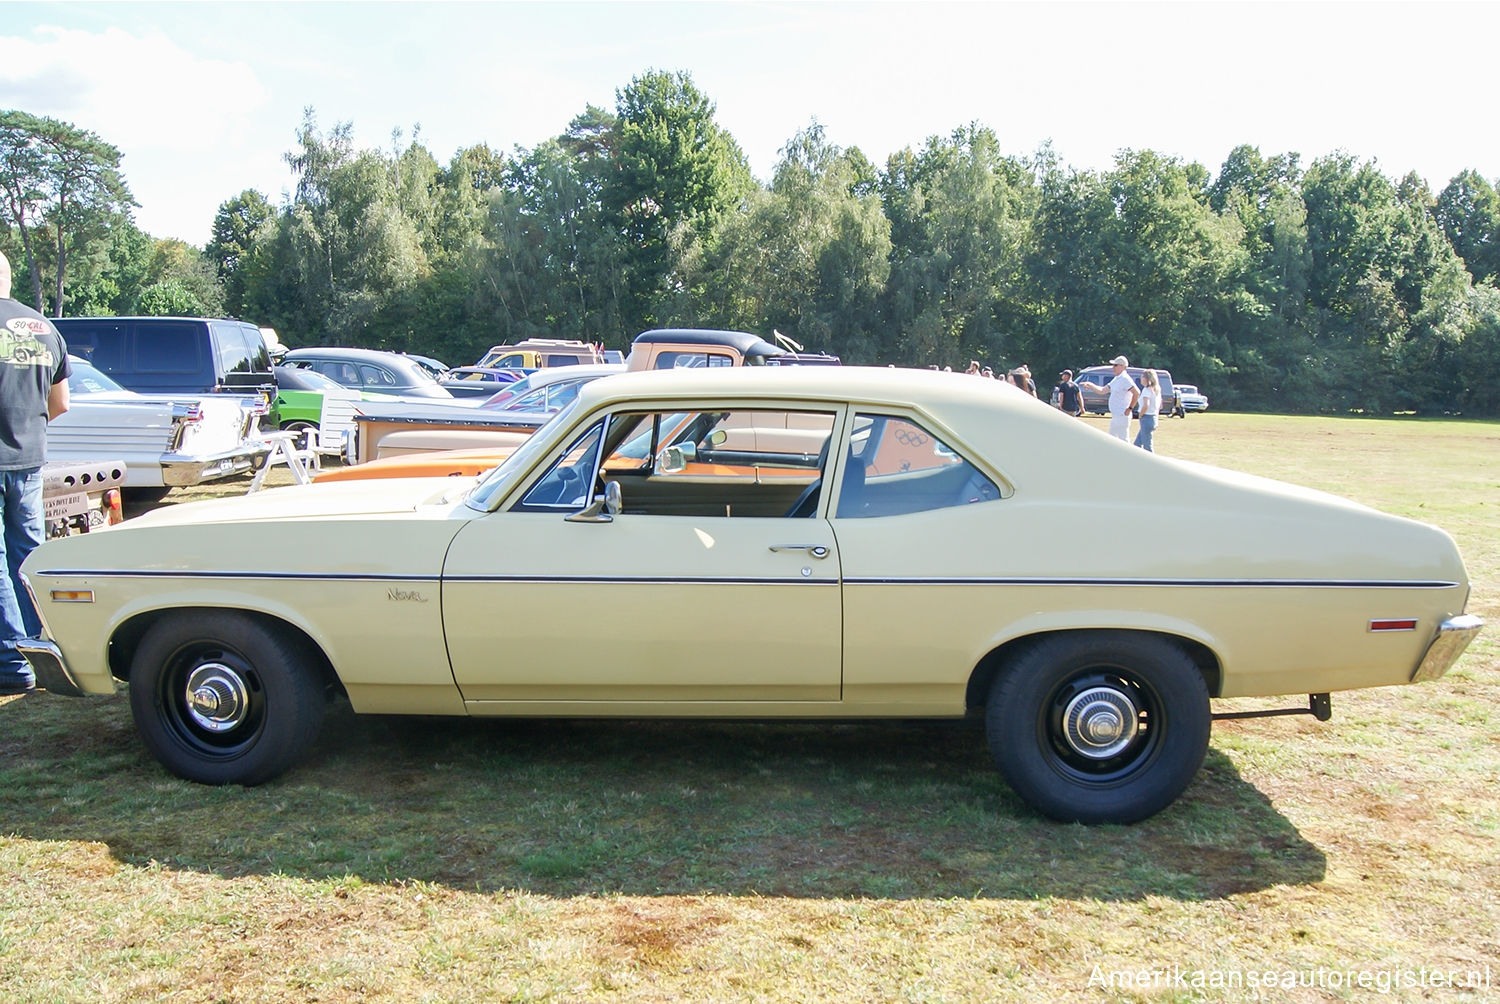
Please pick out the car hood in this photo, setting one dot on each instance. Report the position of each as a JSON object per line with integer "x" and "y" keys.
{"x": 342, "y": 500}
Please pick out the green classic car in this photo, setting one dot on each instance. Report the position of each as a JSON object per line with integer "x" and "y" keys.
{"x": 763, "y": 542}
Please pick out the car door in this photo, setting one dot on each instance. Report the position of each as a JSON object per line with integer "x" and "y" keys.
{"x": 702, "y": 596}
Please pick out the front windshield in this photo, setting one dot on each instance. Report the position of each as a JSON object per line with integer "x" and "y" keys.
{"x": 485, "y": 494}
{"x": 501, "y": 398}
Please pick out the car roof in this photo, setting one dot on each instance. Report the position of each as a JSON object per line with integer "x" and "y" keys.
{"x": 889, "y": 386}
{"x": 352, "y": 355}
{"x": 741, "y": 341}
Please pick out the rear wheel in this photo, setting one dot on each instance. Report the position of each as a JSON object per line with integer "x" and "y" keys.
{"x": 221, "y": 698}
{"x": 1104, "y": 727}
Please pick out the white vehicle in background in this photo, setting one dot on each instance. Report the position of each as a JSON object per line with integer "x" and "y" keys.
{"x": 1192, "y": 400}
{"x": 164, "y": 440}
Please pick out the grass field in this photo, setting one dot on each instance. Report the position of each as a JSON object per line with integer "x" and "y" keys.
{"x": 427, "y": 860}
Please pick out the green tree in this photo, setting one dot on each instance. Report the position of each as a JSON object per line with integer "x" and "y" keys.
{"x": 61, "y": 180}
{"x": 961, "y": 215}
{"x": 809, "y": 257}
{"x": 1468, "y": 210}
{"x": 671, "y": 166}
{"x": 239, "y": 226}
{"x": 171, "y": 299}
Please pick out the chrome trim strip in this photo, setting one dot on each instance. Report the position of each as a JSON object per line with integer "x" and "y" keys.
{"x": 434, "y": 579}
{"x": 156, "y": 573}
{"x": 1175, "y": 583}
{"x": 644, "y": 580}
{"x": 848, "y": 581}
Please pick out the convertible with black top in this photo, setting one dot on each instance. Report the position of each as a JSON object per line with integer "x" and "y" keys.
{"x": 860, "y": 543}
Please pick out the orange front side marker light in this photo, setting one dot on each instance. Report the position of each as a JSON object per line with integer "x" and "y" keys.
{"x": 72, "y": 596}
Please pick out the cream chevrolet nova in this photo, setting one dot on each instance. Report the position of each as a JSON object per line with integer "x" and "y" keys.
{"x": 846, "y": 542}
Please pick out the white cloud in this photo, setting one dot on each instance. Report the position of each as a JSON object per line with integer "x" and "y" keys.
{"x": 121, "y": 85}
{"x": 176, "y": 116}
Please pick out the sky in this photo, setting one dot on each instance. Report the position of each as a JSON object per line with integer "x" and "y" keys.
{"x": 204, "y": 99}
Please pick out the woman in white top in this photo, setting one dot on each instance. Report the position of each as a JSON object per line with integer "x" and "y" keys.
{"x": 1150, "y": 405}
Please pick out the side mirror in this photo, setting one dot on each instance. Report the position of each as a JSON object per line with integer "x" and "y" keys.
{"x": 604, "y": 507}
{"x": 674, "y": 459}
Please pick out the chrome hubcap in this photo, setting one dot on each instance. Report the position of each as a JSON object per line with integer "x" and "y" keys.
{"x": 217, "y": 699}
{"x": 1100, "y": 722}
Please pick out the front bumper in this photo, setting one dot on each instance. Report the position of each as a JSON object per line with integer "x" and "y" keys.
{"x": 1453, "y": 636}
{"x": 179, "y": 471}
{"x": 51, "y": 669}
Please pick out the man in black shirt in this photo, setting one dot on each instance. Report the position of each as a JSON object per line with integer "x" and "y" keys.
{"x": 1069, "y": 396}
{"x": 33, "y": 390}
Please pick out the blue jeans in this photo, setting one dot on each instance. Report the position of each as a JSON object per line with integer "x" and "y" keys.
{"x": 1147, "y": 429}
{"x": 21, "y": 507}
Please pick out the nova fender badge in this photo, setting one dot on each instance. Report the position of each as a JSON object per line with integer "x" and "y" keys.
{"x": 405, "y": 596}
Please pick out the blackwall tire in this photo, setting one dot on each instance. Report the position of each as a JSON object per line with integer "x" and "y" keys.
{"x": 221, "y": 697}
{"x": 1099, "y": 727}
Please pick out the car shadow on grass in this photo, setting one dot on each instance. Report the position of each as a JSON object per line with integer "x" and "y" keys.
{"x": 818, "y": 810}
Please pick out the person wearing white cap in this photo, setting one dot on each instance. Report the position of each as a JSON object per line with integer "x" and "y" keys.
{"x": 1123, "y": 395}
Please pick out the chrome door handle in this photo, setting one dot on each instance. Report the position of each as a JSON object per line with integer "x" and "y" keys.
{"x": 816, "y": 550}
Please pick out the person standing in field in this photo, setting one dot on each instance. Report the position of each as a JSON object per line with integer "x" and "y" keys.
{"x": 1123, "y": 395}
{"x": 1150, "y": 409}
{"x": 1069, "y": 395}
{"x": 33, "y": 390}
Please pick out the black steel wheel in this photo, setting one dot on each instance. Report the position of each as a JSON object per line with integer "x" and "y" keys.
{"x": 1099, "y": 727}
{"x": 220, "y": 697}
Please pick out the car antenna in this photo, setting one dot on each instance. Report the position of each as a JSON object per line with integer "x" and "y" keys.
{"x": 786, "y": 342}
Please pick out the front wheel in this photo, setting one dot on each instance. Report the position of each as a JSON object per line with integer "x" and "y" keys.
{"x": 1105, "y": 727}
{"x": 222, "y": 698}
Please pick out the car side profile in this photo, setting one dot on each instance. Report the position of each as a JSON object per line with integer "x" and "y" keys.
{"x": 860, "y": 542}
{"x": 369, "y": 371}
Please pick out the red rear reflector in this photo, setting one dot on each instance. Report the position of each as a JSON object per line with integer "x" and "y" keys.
{"x": 1404, "y": 624}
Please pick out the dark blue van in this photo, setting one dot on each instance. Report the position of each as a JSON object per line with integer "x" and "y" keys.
{"x": 173, "y": 355}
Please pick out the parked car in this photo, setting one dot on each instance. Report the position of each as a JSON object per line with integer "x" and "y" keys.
{"x": 698, "y": 348}
{"x": 173, "y": 355}
{"x": 479, "y": 381}
{"x": 369, "y": 371}
{"x": 539, "y": 353}
{"x": 164, "y": 440}
{"x": 400, "y": 427}
{"x": 436, "y": 367}
{"x": 1097, "y": 403}
{"x": 1192, "y": 398}
{"x": 501, "y": 399}
{"x": 731, "y": 573}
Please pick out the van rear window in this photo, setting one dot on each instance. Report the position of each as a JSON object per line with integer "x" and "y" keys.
{"x": 101, "y": 343}
{"x": 168, "y": 347}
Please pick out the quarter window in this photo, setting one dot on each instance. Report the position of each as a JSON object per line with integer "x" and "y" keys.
{"x": 895, "y": 467}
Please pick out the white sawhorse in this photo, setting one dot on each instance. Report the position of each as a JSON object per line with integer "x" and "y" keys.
{"x": 283, "y": 451}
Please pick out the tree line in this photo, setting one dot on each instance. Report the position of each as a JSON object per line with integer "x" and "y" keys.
{"x": 1276, "y": 286}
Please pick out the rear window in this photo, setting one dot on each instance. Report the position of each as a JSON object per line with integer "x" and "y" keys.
{"x": 102, "y": 343}
{"x": 168, "y": 347}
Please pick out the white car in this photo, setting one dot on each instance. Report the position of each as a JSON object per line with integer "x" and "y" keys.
{"x": 1192, "y": 400}
{"x": 165, "y": 440}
